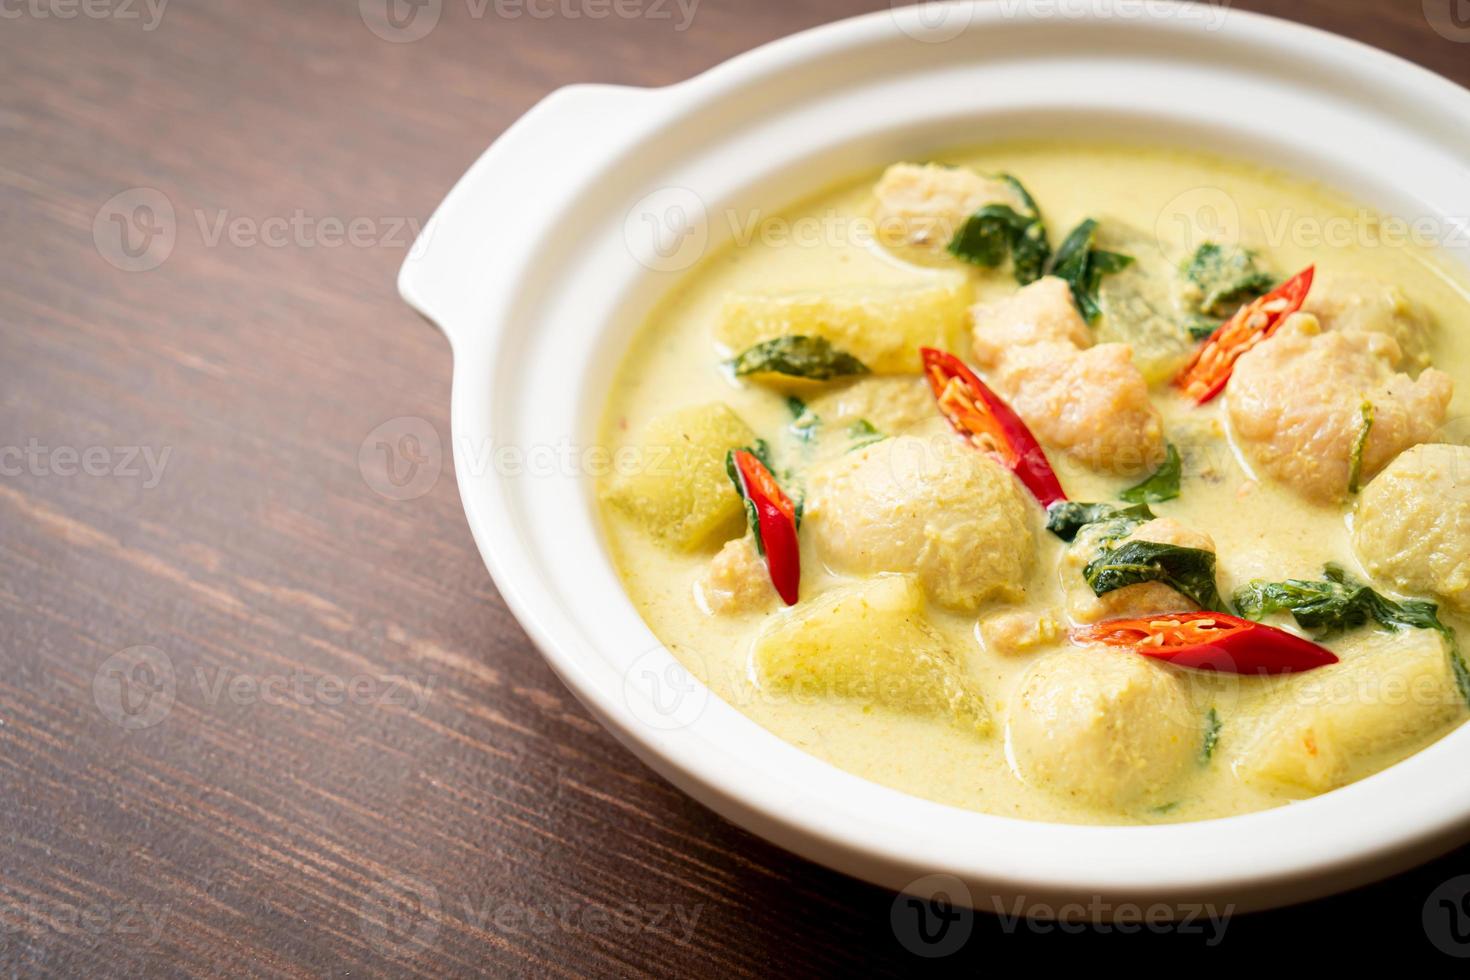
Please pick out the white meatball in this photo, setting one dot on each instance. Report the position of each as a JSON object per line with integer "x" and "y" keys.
{"x": 1085, "y": 606}
{"x": 1412, "y": 527}
{"x": 1104, "y": 727}
{"x": 736, "y": 581}
{"x": 1042, "y": 312}
{"x": 925, "y": 205}
{"x": 1361, "y": 304}
{"x": 1092, "y": 405}
{"x": 1017, "y": 631}
{"x": 933, "y": 507}
{"x": 1297, "y": 406}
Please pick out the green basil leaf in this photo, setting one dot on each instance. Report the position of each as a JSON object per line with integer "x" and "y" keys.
{"x": 1067, "y": 517}
{"x": 997, "y": 230}
{"x": 1226, "y": 275}
{"x": 1355, "y": 469}
{"x": 1337, "y": 603}
{"x": 1201, "y": 327}
{"x": 1083, "y": 267}
{"x": 1189, "y": 571}
{"x": 1212, "y": 737}
{"x": 1162, "y": 485}
{"x": 813, "y": 358}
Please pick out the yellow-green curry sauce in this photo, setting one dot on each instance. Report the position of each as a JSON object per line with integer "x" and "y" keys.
{"x": 1260, "y": 530}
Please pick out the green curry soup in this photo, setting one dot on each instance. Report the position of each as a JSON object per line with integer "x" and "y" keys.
{"x": 944, "y": 640}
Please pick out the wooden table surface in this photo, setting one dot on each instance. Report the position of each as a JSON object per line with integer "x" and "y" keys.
{"x": 258, "y": 715}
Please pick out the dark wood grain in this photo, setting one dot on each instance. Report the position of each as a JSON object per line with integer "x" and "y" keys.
{"x": 251, "y": 833}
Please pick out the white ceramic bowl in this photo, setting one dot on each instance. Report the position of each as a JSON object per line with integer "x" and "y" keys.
{"x": 542, "y": 262}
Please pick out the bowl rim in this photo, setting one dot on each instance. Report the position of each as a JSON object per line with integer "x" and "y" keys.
{"x": 859, "y": 842}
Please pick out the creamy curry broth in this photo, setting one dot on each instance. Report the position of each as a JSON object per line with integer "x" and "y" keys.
{"x": 1260, "y": 529}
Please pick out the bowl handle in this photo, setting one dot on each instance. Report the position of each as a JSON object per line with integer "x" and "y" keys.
{"x": 473, "y": 246}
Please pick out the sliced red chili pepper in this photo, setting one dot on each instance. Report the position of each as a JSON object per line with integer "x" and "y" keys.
{"x": 775, "y": 523}
{"x": 1210, "y": 641}
{"x": 1208, "y": 371}
{"x": 983, "y": 418}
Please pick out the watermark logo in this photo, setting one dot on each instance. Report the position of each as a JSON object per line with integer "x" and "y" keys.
{"x": 932, "y": 916}
{"x": 402, "y": 458}
{"x": 135, "y": 230}
{"x": 1450, "y": 19}
{"x": 401, "y": 21}
{"x": 1447, "y": 917}
{"x": 1197, "y": 216}
{"x": 400, "y": 916}
{"x": 667, "y": 231}
{"x": 405, "y": 21}
{"x": 135, "y": 688}
{"x": 662, "y": 692}
{"x": 1211, "y": 13}
{"x": 932, "y": 21}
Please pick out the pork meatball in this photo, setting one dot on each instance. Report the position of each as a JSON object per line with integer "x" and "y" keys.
{"x": 1018, "y": 631}
{"x": 736, "y": 580}
{"x": 1092, "y": 404}
{"x": 924, "y": 205}
{"x": 1104, "y": 727}
{"x": 1298, "y": 406}
{"x": 1145, "y": 598}
{"x": 1412, "y": 528}
{"x": 1363, "y": 305}
{"x": 1042, "y": 312}
{"x": 930, "y": 506}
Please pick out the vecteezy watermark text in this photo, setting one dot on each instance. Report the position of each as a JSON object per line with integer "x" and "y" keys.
{"x": 97, "y": 919}
{"x": 932, "y": 917}
{"x": 122, "y": 462}
{"x": 403, "y": 914}
{"x": 137, "y": 688}
{"x": 150, "y": 12}
{"x": 406, "y": 21}
{"x": 137, "y": 230}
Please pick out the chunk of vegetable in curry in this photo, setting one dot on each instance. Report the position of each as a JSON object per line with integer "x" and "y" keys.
{"x": 676, "y": 488}
{"x": 869, "y": 643}
{"x": 881, "y": 326}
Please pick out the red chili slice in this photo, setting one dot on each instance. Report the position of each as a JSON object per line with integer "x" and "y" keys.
{"x": 775, "y": 524}
{"x": 1210, "y": 641}
{"x": 979, "y": 414}
{"x": 1208, "y": 371}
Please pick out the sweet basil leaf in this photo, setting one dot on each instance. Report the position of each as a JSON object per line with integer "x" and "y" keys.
{"x": 1201, "y": 327}
{"x": 1066, "y": 518}
{"x": 1225, "y": 274}
{"x": 1337, "y": 603}
{"x": 863, "y": 434}
{"x": 1188, "y": 571}
{"x": 1327, "y": 606}
{"x": 1212, "y": 737}
{"x": 1083, "y": 267}
{"x": 998, "y": 230}
{"x": 1360, "y": 443}
{"x": 988, "y": 235}
{"x": 752, "y": 516}
{"x": 797, "y": 356}
{"x": 804, "y": 422}
{"x": 1162, "y": 485}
